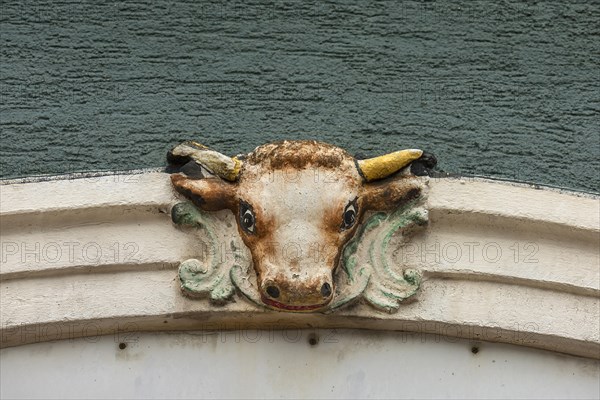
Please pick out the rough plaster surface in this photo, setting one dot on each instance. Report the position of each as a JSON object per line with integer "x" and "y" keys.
{"x": 98, "y": 255}
{"x": 497, "y": 88}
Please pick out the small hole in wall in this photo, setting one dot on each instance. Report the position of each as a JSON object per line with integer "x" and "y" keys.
{"x": 313, "y": 339}
{"x": 122, "y": 346}
{"x": 475, "y": 349}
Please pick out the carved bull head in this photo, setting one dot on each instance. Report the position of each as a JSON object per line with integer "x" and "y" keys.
{"x": 297, "y": 204}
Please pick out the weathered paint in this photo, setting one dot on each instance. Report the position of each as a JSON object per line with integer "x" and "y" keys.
{"x": 274, "y": 364}
{"x": 380, "y": 167}
{"x": 210, "y": 276}
{"x": 544, "y": 299}
{"x": 366, "y": 271}
{"x": 227, "y": 168}
{"x": 388, "y": 285}
{"x": 298, "y": 203}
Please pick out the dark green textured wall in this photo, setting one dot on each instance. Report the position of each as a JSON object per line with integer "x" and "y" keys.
{"x": 500, "y": 88}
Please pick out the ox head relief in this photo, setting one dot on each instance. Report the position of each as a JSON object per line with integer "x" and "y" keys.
{"x": 301, "y": 210}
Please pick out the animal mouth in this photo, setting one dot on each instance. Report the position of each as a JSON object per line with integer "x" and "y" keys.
{"x": 289, "y": 307}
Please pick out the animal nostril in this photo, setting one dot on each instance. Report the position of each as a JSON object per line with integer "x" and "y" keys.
{"x": 273, "y": 291}
{"x": 326, "y": 289}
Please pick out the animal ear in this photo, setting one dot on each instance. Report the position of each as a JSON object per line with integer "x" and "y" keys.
{"x": 389, "y": 194}
{"x": 211, "y": 194}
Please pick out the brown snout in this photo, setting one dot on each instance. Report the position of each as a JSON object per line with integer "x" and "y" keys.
{"x": 295, "y": 294}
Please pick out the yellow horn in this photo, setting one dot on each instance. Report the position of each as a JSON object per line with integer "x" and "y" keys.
{"x": 383, "y": 166}
{"x": 219, "y": 164}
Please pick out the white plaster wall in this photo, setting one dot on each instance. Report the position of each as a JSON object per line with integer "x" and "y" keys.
{"x": 282, "y": 364}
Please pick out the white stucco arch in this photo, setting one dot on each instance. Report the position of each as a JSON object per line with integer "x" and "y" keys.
{"x": 97, "y": 255}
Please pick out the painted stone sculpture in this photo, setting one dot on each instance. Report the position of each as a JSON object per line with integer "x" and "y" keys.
{"x": 302, "y": 208}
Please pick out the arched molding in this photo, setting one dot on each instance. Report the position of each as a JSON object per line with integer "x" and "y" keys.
{"x": 97, "y": 255}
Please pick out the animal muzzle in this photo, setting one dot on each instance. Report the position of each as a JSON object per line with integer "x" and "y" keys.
{"x": 298, "y": 295}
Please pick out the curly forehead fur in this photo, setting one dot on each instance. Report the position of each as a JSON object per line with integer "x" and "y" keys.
{"x": 298, "y": 154}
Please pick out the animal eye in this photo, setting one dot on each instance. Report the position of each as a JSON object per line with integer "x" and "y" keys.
{"x": 247, "y": 218}
{"x": 349, "y": 217}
